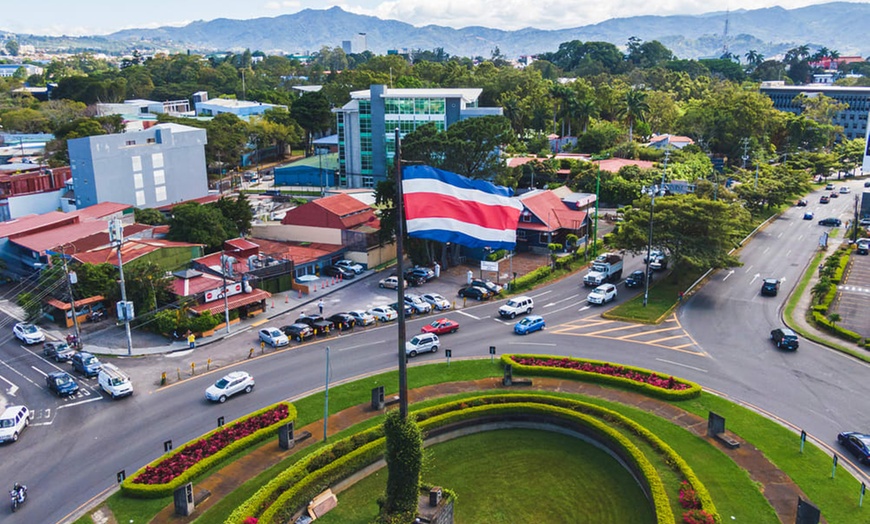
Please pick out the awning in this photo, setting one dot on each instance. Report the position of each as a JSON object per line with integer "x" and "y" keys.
{"x": 233, "y": 302}
{"x": 66, "y": 306}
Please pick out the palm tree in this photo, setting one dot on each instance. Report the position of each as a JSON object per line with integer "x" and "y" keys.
{"x": 751, "y": 57}
{"x": 585, "y": 111}
{"x": 635, "y": 110}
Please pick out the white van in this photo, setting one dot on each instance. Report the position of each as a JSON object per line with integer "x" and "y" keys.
{"x": 12, "y": 422}
{"x": 517, "y": 306}
{"x": 114, "y": 381}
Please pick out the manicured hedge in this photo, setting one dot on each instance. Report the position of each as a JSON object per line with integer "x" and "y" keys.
{"x": 692, "y": 391}
{"x": 823, "y": 322}
{"x": 130, "y": 487}
{"x": 282, "y": 497}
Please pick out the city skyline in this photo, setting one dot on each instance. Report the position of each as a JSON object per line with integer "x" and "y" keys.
{"x": 99, "y": 17}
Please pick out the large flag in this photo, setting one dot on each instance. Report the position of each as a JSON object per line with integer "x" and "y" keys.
{"x": 446, "y": 207}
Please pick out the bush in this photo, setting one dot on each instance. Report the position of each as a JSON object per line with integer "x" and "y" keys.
{"x": 204, "y": 322}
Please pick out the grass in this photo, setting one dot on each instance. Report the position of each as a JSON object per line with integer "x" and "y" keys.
{"x": 563, "y": 480}
{"x": 663, "y": 298}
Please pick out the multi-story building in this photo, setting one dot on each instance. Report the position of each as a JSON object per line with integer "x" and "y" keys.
{"x": 161, "y": 165}
{"x": 853, "y": 119}
{"x": 241, "y": 108}
{"x": 366, "y": 124}
{"x": 31, "y": 190}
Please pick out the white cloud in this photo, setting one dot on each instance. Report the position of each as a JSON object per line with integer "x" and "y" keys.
{"x": 282, "y": 5}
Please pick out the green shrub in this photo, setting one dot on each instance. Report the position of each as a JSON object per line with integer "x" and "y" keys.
{"x": 204, "y": 322}
{"x": 822, "y": 321}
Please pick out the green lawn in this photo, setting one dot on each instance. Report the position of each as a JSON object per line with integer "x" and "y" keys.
{"x": 517, "y": 476}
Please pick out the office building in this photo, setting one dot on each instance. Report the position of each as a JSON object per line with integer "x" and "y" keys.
{"x": 853, "y": 119}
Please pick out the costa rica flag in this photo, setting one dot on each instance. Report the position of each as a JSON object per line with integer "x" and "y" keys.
{"x": 446, "y": 207}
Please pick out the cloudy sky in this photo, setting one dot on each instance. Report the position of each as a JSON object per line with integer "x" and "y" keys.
{"x": 90, "y": 17}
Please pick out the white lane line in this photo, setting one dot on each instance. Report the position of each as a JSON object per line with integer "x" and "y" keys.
{"x": 542, "y": 294}
{"x": 10, "y": 368}
{"x": 529, "y": 344}
{"x": 467, "y": 314}
{"x": 572, "y": 297}
{"x": 584, "y": 308}
{"x": 500, "y": 321}
{"x": 728, "y": 275}
{"x": 79, "y": 403}
{"x": 12, "y": 387}
{"x": 376, "y": 342}
{"x": 749, "y": 268}
{"x": 682, "y": 365}
{"x": 41, "y": 372}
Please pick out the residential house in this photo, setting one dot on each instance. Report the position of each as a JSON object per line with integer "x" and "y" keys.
{"x": 547, "y": 219}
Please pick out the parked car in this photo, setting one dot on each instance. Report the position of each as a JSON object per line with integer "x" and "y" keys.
{"x": 338, "y": 271}
{"x": 809, "y": 215}
{"x": 824, "y": 199}
{"x": 516, "y": 306}
{"x": 390, "y": 283}
{"x": 784, "y": 338}
{"x": 86, "y": 364}
{"x": 417, "y": 303}
{"x": 409, "y": 311}
{"x": 61, "y": 383}
{"x": 28, "y": 333}
{"x": 351, "y": 265}
{"x": 830, "y": 221}
{"x": 13, "y": 420}
{"x": 59, "y": 351}
{"x": 477, "y": 293}
{"x": 361, "y": 317}
{"x": 229, "y": 385}
{"x": 864, "y": 222}
{"x": 419, "y": 273}
{"x": 802, "y": 202}
{"x": 422, "y": 343}
{"x": 427, "y": 272}
{"x": 342, "y": 321}
{"x": 274, "y": 337}
{"x": 383, "y": 313}
{"x": 863, "y": 246}
{"x": 658, "y": 260}
{"x": 770, "y": 287}
{"x": 320, "y": 325}
{"x": 530, "y": 324}
{"x": 441, "y": 326}
{"x": 438, "y": 302}
{"x": 636, "y": 279}
{"x": 489, "y": 285}
{"x": 857, "y": 443}
{"x": 602, "y": 294}
{"x": 298, "y": 331}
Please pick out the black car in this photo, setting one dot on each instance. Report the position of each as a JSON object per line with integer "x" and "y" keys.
{"x": 61, "y": 383}
{"x": 298, "y": 331}
{"x": 784, "y": 338}
{"x": 830, "y": 221}
{"x": 475, "y": 292}
{"x": 342, "y": 320}
{"x": 338, "y": 271}
{"x": 636, "y": 279}
{"x": 770, "y": 287}
{"x": 320, "y": 325}
{"x": 413, "y": 279}
{"x": 857, "y": 443}
{"x": 419, "y": 273}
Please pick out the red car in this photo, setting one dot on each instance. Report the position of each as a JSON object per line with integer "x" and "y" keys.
{"x": 441, "y": 326}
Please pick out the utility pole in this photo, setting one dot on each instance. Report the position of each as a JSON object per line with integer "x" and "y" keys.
{"x": 72, "y": 299}
{"x": 665, "y": 169}
{"x": 745, "y": 156}
{"x": 326, "y": 397}
{"x": 855, "y": 222}
{"x": 597, "y": 196}
{"x": 116, "y": 235}
{"x": 226, "y": 265}
{"x": 400, "y": 291}
{"x": 652, "y": 202}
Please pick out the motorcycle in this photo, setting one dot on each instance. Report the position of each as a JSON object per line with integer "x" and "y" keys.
{"x": 73, "y": 342}
{"x": 96, "y": 315}
{"x": 19, "y": 496}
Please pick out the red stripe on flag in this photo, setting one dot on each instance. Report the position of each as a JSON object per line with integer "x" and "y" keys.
{"x": 435, "y": 205}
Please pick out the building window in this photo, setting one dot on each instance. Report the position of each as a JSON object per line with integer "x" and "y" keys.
{"x": 130, "y": 143}
{"x": 526, "y": 216}
{"x": 137, "y": 163}
{"x": 152, "y": 140}
{"x": 137, "y": 181}
{"x": 140, "y": 198}
{"x": 160, "y": 193}
{"x": 157, "y": 160}
{"x": 159, "y": 177}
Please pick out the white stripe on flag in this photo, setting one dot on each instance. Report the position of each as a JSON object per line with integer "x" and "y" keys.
{"x": 431, "y": 185}
{"x": 449, "y": 224}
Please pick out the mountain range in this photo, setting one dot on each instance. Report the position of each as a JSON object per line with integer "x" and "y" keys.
{"x": 770, "y": 31}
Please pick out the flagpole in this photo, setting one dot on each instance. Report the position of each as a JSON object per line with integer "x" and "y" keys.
{"x": 400, "y": 234}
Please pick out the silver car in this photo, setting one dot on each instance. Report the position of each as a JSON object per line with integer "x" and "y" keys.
{"x": 230, "y": 385}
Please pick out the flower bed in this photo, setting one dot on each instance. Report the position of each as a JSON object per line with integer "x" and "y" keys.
{"x": 640, "y": 379}
{"x": 162, "y": 476}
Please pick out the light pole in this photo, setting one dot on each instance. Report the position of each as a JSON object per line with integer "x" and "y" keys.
{"x": 116, "y": 235}
{"x": 597, "y": 189}
{"x": 226, "y": 266}
{"x": 326, "y": 397}
{"x": 72, "y": 299}
{"x": 652, "y": 201}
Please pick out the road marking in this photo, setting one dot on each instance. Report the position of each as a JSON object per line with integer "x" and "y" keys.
{"x": 542, "y": 294}
{"x": 646, "y": 333}
{"x": 363, "y": 345}
{"x": 754, "y": 277}
{"x": 660, "y": 340}
{"x": 728, "y": 275}
{"x": 467, "y": 314}
{"x": 259, "y": 323}
{"x": 584, "y": 308}
{"x": 41, "y": 372}
{"x": 529, "y": 344}
{"x": 748, "y": 269}
{"x": 80, "y": 403}
{"x": 572, "y": 297}
{"x": 500, "y": 321}
{"x": 682, "y": 365}
{"x": 765, "y": 250}
{"x": 12, "y": 387}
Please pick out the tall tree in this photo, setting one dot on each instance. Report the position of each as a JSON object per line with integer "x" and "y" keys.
{"x": 312, "y": 112}
{"x": 636, "y": 110}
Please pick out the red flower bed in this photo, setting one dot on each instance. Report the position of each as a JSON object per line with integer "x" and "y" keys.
{"x": 604, "y": 369}
{"x": 178, "y": 463}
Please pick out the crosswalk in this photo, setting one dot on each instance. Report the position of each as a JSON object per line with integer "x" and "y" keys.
{"x": 855, "y": 289}
{"x": 667, "y": 335}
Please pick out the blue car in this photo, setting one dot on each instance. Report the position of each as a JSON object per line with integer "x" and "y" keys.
{"x": 530, "y": 324}
{"x": 61, "y": 383}
{"x": 857, "y": 443}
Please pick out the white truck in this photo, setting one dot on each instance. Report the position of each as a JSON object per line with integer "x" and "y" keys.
{"x": 606, "y": 268}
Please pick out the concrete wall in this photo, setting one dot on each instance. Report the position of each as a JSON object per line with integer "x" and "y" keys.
{"x": 34, "y": 204}
{"x": 379, "y": 255}
{"x": 285, "y": 233}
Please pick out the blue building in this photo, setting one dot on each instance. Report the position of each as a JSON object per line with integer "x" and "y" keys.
{"x": 366, "y": 125}
{"x": 241, "y": 108}
{"x": 161, "y": 165}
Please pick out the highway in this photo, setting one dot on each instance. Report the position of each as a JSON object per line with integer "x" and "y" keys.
{"x": 77, "y": 446}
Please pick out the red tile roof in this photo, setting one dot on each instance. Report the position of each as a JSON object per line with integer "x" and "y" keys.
{"x": 235, "y": 301}
{"x": 613, "y": 165}
{"x": 299, "y": 252}
{"x": 241, "y": 244}
{"x": 101, "y": 239}
{"x": 549, "y": 209}
{"x": 53, "y": 238}
{"x": 131, "y": 250}
{"x": 30, "y": 223}
{"x": 185, "y": 287}
{"x": 336, "y": 212}
{"x": 101, "y": 210}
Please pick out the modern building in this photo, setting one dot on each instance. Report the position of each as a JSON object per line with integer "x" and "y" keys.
{"x": 161, "y": 165}
{"x": 8, "y": 70}
{"x": 853, "y": 119}
{"x": 139, "y": 107}
{"x": 241, "y": 108}
{"x": 366, "y": 124}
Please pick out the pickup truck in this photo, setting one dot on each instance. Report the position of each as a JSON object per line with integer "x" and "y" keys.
{"x": 606, "y": 268}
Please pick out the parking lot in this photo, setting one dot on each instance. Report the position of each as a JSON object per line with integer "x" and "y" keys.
{"x": 853, "y": 296}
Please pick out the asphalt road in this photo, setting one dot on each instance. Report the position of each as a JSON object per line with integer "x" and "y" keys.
{"x": 720, "y": 339}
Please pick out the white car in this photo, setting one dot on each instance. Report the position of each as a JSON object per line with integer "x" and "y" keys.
{"x": 230, "y": 385}
{"x": 422, "y": 343}
{"x": 28, "y": 333}
{"x": 351, "y": 265}
{"x": 274, "y": 337}
{"x": 844, "y": 190}
{"x": 438, "y": 302}
{"x": 418, "y": 305}
{"x": 361, "y": 317}
{"x": 391, "y": 283}
{"x": 601, "y": 294}
{"x": 384, "y": 313}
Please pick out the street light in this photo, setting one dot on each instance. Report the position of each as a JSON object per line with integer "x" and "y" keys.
{"x": 652, "y": 201}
